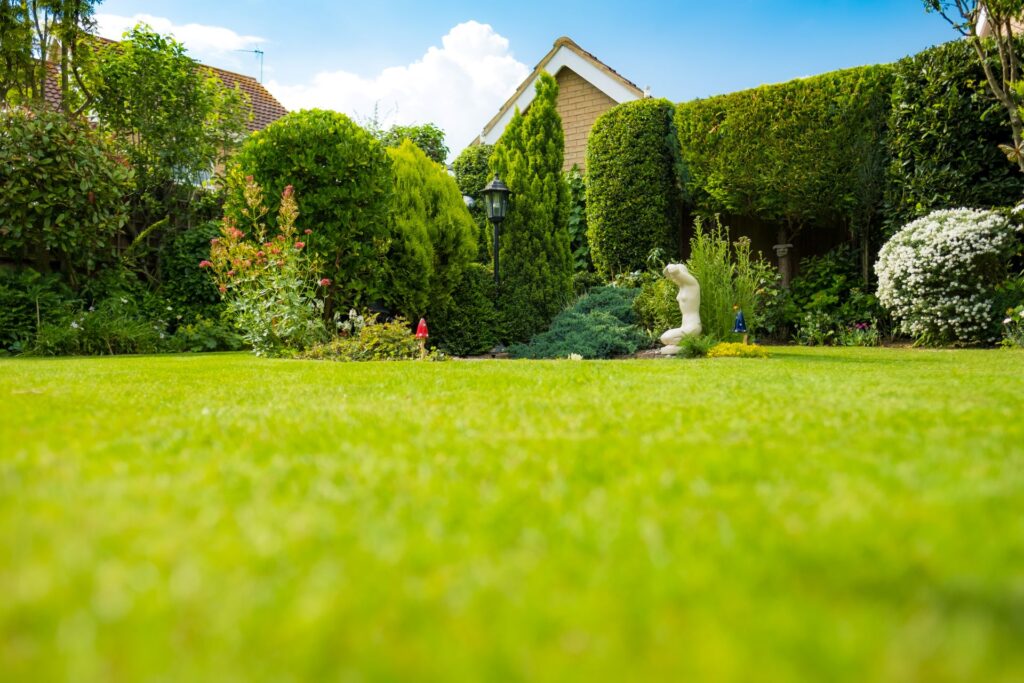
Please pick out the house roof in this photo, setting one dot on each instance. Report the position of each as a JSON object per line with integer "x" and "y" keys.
{"x": 265, "y": 108}
{"x": 564, "y": 54}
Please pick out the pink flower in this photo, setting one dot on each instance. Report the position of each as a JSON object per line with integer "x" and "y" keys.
{"x": 231, "y": 273}
{"x": 308, "y": 231}
{"x": 325, "y": 283}
{"x": 222, "y": 289}
{"x": 205, "y": 264}
{"x": 215, "y": 240}
{"x": 300, "y": 245}
{"x": 260, "y": 254}
{"x": 288, "y": 190}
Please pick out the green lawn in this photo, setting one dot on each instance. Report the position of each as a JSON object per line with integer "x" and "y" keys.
{"x": 825, "y": 515}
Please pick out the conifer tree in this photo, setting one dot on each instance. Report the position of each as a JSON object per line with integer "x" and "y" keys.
{"x": 535, "y": 259}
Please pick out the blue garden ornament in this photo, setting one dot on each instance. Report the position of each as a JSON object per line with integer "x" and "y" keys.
{"x": 740, "y": 326}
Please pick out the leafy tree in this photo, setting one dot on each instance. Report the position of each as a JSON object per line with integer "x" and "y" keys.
{"x": 472, "y": 173}
{"x": 434, "y": 234}
{"x": 427, "y": 137}
{"x": 39, "y": 35}
{"x": 345, "y": 185}
{"x": 62, "y": 190}
{"x": 535, "y": 262}
{"x": 633, "y": 198}
{"x": 1003, "y": 75}
{"x": 174, "y": 120}
{"x": 820, "y": 153}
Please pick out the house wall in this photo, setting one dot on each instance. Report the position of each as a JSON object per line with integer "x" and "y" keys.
{"x": 579, "y": 104}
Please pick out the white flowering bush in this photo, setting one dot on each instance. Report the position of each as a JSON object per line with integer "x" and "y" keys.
{"x": 938, "y": 275}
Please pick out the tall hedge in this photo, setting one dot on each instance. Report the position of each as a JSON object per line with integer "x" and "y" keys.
{"x": 433, "y": 239}
{"x": 944, "y": 130}
{"x": 344, "y": 184}
{"x": 633, "y": 198}
{"x": 803, "y": 154}
{"x": 535, "y": 263}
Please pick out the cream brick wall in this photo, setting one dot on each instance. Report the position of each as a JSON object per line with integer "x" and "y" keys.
{"x": 579, "y": 105}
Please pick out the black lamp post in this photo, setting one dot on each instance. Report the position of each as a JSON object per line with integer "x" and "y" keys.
{"x": 496, "y": 196}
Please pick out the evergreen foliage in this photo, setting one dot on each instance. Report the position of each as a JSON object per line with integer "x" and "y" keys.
{"x": 433, "y": 238}
{"x": 599, "y": 325}
{"x": 944, "y": 134}
{"x": 633, "y": 199}
{"x": 344, "y": 182}
{"x": 472, "y": 173}
{"x": 535, "y": 262}
{"x": 469, "y": 325}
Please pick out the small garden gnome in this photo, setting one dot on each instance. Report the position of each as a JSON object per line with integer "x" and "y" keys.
{"x": 421, "y": 336}
{"x": 740, "y": 326}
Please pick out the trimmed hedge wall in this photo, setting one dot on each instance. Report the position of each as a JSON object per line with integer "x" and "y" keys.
{"x": 944, "y": 130}
{"x": 633, "y": 198}
{"x": 809, "y": 153}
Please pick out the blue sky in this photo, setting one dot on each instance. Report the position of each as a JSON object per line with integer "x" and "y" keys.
{"x": 395, "y": 54}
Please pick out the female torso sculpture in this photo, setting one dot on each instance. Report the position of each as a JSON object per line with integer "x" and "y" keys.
{"x": 689, "y": 306}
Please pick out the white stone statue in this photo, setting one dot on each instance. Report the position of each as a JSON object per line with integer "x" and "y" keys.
{"x": 689, "y": 306}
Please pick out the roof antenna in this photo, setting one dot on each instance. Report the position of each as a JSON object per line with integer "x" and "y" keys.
{"x": 259, "y": 53}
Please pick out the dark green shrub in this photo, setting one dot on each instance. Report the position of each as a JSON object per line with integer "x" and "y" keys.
{"x": 204, "y": 335}
{"x": 536, "y": 266}
{"x": 585, "y": 280}
{"x": 28, "y": 299}
{"x": 633, "y": 199}
{"x": 944, "y": 131}
{"x": 62, "y": 190}
{"x": 186, "y": 286}
{"x": 598, "y": 325}
{"x": 469, "y": 325}
{"x": 579, "y": 243}
{"x": 343, "y": 179}
{"x": 433, "y": 238}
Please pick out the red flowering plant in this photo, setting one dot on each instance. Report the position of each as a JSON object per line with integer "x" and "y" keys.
{"x": 269, "y": 283}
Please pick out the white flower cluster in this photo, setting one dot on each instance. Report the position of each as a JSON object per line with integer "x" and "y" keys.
{"x": 937, "y": 275}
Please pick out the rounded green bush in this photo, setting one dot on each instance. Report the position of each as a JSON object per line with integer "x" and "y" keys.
{"x": 62, "y": 189}
{"x": 344, "y": 184}
{"x": 633, "y": 199}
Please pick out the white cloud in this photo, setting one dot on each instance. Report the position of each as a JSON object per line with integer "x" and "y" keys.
{"x": 200, "y": 39}
{"x": 458, "y": 86}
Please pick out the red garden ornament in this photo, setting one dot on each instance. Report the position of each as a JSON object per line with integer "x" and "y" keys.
{"x": 421, "y": 336}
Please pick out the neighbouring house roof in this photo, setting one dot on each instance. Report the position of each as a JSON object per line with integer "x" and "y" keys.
{"x": 565, "y": 54}
{"x": 265, "y": 108}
